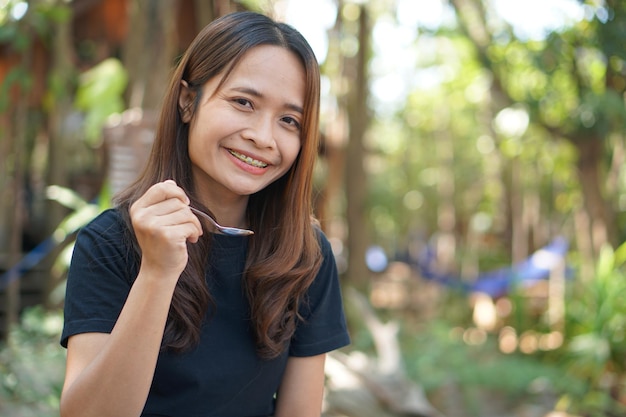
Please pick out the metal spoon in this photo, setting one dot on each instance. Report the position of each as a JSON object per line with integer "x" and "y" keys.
{"x": 231, "y": 231}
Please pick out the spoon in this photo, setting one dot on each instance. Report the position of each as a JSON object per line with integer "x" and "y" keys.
{"x": 231, "y": 231}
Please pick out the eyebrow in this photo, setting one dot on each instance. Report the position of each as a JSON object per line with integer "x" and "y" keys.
{"x": 257, "y": 93}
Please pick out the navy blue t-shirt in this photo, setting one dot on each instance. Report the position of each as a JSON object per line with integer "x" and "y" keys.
{"x": 222, "y": 376}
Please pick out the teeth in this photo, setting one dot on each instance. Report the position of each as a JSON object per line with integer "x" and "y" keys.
{"x": 248, "y": 160}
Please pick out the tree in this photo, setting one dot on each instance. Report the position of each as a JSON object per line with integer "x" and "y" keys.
{"x": 25, "y": 56}
{"x": 571, "y": 85}
{"x": 358, "y": 112}
{"x": 344, "y": 186}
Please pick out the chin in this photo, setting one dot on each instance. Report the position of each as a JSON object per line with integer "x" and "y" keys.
{"x": 246, "y": 192}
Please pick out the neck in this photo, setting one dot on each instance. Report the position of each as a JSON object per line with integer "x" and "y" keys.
{"x": 229, "y": 212}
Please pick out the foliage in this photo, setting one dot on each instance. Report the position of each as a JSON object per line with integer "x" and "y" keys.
{"x": 596, "y": 346}
{"x": 100, "y": 94}
{"x": 18, "y": 33}
{"x": 82, "y": 213}
{"x": 32, "y": 366}
{"x": 570, "y": 84}
{"x": 32, "y": 362}
{"x": 438, "y": 357}
{"x": 35, "y": 17}
{"x": 585, "y": 376}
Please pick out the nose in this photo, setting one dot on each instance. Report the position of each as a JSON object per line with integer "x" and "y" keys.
{"x": 261, "y": 132}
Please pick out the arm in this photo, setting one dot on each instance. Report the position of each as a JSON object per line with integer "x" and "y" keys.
{"x": 302, "y": 388}
{"x": 324, "y": 329}
{"x": 111, "y": 374}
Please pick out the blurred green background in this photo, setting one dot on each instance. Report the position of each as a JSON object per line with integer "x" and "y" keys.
{"x": 471, "y": 181}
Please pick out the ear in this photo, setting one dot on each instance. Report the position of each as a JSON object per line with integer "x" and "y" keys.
{"x": 185, "y": 101}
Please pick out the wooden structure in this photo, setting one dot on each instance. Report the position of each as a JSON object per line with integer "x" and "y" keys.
{"x": 98, "y": 29}
{"x": 128, "y": 139}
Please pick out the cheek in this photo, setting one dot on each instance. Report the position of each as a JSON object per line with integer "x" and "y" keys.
{"x": 197, "y": 138}
{"x": 289, "y": 159}
{"x": 192, "y": 147}
{"x": 197, "y": 149}
{"x": 291, "y": 151}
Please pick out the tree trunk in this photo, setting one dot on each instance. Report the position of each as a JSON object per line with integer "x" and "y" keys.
{"x": 473, "y": 22}
{"x": 590, "y": 154}
{"x": 356, "y": 184}
{"x": 446, "y": 210}
{"x": 15, "y": 185}
{"x": 150, "y": 50}
{"x": 519, "y": 235}
{"x": 12, "y": 291}
{"x": 330, "y": 178}
{"x": 63, "y": 71}
{"x": 204, "y": 13}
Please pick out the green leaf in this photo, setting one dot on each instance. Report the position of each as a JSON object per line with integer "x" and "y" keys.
{"x": 104, "y": 82}
{"x": 75, "y": 221}
{"x": 606, "y": 262}
{"x": 66, "y": 197}
{"x": 620, "y": 254}
{"x": 100, "y": 94}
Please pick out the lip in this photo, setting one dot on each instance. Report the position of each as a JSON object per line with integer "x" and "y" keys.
{"x": 253, "y": 169}
{"x": 249, "y": 154}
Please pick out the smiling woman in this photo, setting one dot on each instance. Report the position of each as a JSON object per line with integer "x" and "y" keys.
{"x": 165, "y": 318}
{"x": 245, "y": 130}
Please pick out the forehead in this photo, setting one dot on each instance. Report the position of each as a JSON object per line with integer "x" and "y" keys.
{"x": 264, "y": 54}
{"x": 266, "y": 65}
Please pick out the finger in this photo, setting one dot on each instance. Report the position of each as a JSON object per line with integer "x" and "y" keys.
{"x": 174, "y": 191}
{"x": 166, "y": 215}
{"x": 181, "y": 233}
{"x": 174, "y": 212}
{"x": 162, "y": 191}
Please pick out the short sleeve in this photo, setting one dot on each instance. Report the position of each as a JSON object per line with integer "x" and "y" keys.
{"x": 324, "y": 326}
{"x": 99, "y": 278}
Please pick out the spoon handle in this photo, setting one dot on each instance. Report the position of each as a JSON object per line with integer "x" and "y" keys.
{"x": 233, "y": 231}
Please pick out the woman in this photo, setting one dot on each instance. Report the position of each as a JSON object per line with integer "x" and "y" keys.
{"x": 166, "y": 317}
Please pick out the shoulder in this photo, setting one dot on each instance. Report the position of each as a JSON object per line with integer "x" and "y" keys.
{"x": 323, "y": 326}
{"x": 324, "y": 243}
{"x": 105, "y": 245}
{"x": 107, "y": 224}
{"x": 105, "y": 233}
{"x": 106, "y": 220}
{"x": 327, "y": 274}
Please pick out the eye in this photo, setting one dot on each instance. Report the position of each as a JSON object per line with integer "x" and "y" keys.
{"x": 292, "y": 122}
{"x": 244, "y": 102}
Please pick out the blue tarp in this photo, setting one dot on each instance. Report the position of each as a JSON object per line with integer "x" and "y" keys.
{"x": 31, "y": 259}
{"x": 499, "y": 282}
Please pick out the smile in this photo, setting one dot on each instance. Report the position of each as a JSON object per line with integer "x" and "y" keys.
{"x": 248, "y": 160}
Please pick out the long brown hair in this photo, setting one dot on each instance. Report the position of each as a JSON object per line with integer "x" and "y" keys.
{"x": 284, "y": 260}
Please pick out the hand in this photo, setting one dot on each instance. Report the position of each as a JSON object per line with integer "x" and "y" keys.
{"x": 163, "y": 225}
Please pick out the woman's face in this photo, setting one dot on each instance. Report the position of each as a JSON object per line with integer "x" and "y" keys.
{"x": 246, "y": 134}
